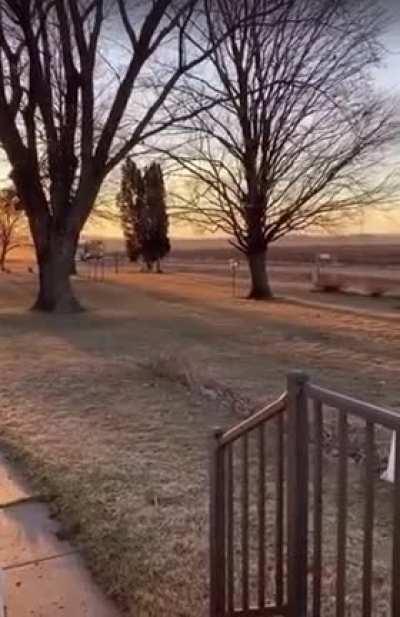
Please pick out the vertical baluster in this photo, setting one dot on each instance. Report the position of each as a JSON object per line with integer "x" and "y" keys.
{"x": 317, "y": 482}
{"x": 279, "y": 512}
{"x": 217, "y": 526}
{"x": 342, "y": 515}
{"x": 261, "y": 516}
{"x": 368, "y": 520}
{"x": 396, "y": 533}
{"x": 245, "y": 522}
{"x": 230, "y": 529}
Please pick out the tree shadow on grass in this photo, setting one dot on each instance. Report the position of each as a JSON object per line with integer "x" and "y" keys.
{"x": 243, "y": 347}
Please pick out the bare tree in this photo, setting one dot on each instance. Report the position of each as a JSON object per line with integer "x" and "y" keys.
{"x": 297, "y": 134}
{"x": 12, "y": 225}
{"x": 63, "y": 128}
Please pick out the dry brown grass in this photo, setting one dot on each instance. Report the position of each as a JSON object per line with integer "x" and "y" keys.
{"x": 110, "y": 412}
{"x": 121, "y": 455}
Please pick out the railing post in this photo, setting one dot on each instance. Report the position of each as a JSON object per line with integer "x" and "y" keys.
{"x": 297, "y": 494}
{"x": 217, "y": 526}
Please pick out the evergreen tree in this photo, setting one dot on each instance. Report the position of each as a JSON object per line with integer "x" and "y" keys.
{"x": 144, "y": 219}
{"x": 130, "y": 201}
{"x": 156, "y": 244}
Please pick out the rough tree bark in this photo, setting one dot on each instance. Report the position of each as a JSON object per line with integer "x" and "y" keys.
{"x": 260, "y": 287}
{"x": 3, "y": 254}
{"x": 74, "y": 271}
{"x": 256, "y": 243}
{"x": 54, "y": 258}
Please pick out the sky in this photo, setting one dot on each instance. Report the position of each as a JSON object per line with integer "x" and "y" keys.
{"x": 387, "y": 77}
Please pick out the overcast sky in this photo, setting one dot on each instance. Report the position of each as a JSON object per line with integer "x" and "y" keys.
{"x": 389, "y": 75}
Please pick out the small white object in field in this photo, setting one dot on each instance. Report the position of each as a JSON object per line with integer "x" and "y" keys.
{"x": 324, "y": 257}
{"x": 233, "y": 265}
{"x": 3, "y": 609}
{"x": 389, "y": 473}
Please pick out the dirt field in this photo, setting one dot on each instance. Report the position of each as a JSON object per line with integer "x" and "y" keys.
{"x": 110, "y": 413}
{"x": 373, "y": 250}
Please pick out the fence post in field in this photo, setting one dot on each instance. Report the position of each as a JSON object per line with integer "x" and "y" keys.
{"x": 297, "y": 494}
{"x": 217, "y": 526}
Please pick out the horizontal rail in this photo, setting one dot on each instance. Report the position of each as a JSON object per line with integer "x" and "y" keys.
{"x": 264, "y": 414}
{"x": 268, "y": 611}
{"x": 372, "y": 413}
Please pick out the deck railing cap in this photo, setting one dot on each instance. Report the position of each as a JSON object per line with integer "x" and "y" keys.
{"x": 217, "y": 432}
{"x": 298, "y": 377}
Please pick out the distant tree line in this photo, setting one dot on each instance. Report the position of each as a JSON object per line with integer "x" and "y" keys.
{"x": 142, "y": 204}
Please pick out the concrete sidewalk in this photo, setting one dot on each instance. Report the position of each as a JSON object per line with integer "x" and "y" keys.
{"x": 44, "y": 576}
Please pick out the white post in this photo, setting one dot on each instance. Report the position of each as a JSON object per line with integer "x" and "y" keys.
{"x": 233, "y": 266}
{"x": 388, "y": 475}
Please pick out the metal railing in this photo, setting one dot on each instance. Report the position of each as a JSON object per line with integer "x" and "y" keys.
{"x": 268, "y": 507}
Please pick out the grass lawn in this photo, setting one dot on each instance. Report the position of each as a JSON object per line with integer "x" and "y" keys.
{"x": 110, "y": 411}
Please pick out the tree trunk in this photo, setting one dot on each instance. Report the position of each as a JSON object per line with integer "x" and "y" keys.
{"x": 3, "y": 259}
{"x": 74, "y": 271}
{"x": 260, "y": 288}
{"x": 55, "y": 290}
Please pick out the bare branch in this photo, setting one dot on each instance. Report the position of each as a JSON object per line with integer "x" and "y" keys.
{"x": 295, "y": 127}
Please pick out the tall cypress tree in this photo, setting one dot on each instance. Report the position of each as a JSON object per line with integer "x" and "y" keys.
{"x": 130, "y": 201}
{"x": 144, "y": 218}
{"x": 157, "y": 244}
